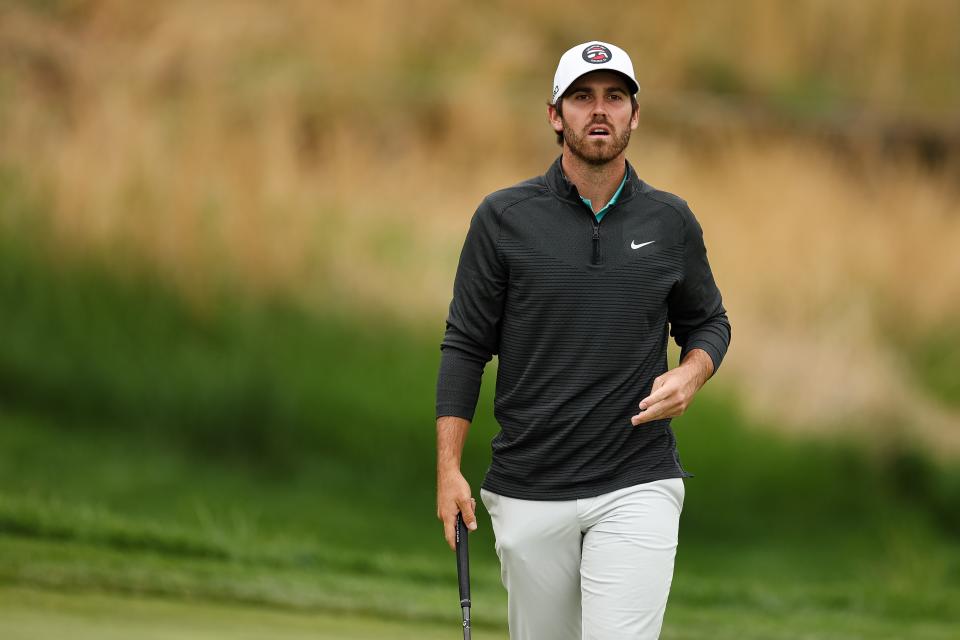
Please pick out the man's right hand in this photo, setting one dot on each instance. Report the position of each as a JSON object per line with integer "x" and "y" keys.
{"x": 453, "y": 496}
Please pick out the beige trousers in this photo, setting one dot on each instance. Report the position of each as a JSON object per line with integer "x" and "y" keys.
{"x": 590, "y": 569}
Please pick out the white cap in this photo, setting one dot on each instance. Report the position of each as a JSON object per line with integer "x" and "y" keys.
{"x": 587, "y": 57}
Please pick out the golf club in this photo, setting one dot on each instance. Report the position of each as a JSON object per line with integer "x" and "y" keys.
{"x": 463, "y": 574}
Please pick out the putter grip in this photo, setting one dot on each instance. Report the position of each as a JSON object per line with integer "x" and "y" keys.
{"x": 463, "y": 562}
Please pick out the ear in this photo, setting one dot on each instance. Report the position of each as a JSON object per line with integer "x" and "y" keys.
{"x": 555, "y": 121}
{"x": 635, "y": 119}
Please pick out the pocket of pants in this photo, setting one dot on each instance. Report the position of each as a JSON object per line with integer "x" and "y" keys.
{"x": 488, "y": 499}
{"x": 681, "y": 490}
{"x": 676, "y": 488}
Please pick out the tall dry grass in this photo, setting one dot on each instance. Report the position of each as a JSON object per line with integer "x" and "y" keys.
{"x": 335, "y": 152}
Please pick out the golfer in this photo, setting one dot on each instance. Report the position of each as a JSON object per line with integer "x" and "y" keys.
{"x": 576, "y": 279}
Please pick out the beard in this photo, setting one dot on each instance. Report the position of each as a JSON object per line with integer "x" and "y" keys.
{"x": 596, "y": 152}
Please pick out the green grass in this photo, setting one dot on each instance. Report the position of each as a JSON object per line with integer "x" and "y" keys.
{"x": 80, "y": 514}
{"x": 30, "y": 614}
{"x": 27, "y": 614}
{"x": 158, "y": 458}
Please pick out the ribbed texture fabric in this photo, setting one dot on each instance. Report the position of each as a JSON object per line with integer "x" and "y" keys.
{"x": 580, "y": 320}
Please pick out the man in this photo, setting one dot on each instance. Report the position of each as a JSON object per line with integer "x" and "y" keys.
{"x": 576, "y": 279}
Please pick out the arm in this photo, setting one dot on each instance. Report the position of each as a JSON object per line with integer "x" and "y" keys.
{"x": 699, "y": 325}
{"x": 453, "y": 491}
{"x": 473, "y": 323}
{"x": 695, "y": 309}
{"x": 472, "y": 337}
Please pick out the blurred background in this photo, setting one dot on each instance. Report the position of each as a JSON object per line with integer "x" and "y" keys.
{"x": 228, "y": 236}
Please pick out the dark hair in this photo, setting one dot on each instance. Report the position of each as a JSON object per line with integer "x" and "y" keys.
{"x": 559, "y": 107}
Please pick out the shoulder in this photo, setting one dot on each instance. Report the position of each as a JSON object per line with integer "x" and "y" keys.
{"x": 667, "y": 199}
{"x": 489, "y": 215}
{"x": 674, "y": 203}
{"x": 499, "y": 201}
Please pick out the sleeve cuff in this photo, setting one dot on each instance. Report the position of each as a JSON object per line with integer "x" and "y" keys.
{"x": 716, "y": 354}
{"x": 455, "y": 410}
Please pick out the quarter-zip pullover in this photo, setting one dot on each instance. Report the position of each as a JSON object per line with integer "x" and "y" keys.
{"x": 579, "y": 312}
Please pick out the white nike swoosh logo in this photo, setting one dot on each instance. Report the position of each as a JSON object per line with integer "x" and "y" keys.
{"x": 634, "y": 245}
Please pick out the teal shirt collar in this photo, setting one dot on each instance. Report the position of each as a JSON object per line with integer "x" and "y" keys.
{"x": 613, "y": 199}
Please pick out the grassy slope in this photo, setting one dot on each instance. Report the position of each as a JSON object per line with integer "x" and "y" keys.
{"x": 262, "y": 456}
{"x": 102, "y": 515}
{"x": 212, "y": 543}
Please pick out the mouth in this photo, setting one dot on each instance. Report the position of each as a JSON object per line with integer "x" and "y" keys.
{"x": 598, "y": 132}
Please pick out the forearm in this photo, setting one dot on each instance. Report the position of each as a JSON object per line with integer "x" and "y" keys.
{"x": 451, "y": 436}
{"x": 700, "y": 365}
{"x": 453, "y": 491}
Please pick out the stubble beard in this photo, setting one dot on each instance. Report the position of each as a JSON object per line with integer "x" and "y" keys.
{"x": 594, "y": 152}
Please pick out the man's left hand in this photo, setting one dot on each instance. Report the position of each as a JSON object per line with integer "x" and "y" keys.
{"x": 673, "y": 391}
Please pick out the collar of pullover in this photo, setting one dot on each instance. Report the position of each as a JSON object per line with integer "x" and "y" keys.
{"x": 560, "y": 185}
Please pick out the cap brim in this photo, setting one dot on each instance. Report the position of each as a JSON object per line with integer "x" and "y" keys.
{"x": 630, "y": 83}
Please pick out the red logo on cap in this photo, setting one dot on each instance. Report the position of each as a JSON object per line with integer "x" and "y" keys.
{"x": 597, "y": 54}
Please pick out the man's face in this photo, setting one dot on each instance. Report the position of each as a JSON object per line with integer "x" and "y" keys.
{"x": 598, "y": 117}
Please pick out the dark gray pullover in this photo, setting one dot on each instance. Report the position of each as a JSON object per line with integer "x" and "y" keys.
{"x": 578, "y": 313}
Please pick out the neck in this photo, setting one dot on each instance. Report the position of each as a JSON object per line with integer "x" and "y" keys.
{"x": 597, "y": 183}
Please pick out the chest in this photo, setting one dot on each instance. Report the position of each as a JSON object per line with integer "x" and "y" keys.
{"x": 562, "y": 261}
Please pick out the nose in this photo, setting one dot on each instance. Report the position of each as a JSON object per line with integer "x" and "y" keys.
{"x": 599, "y": 108}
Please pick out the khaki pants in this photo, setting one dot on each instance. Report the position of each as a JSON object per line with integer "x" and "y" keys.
{"x": 590, "y": 569}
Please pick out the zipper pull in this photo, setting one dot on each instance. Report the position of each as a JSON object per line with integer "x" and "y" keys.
{"x": 596, "y": 243}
